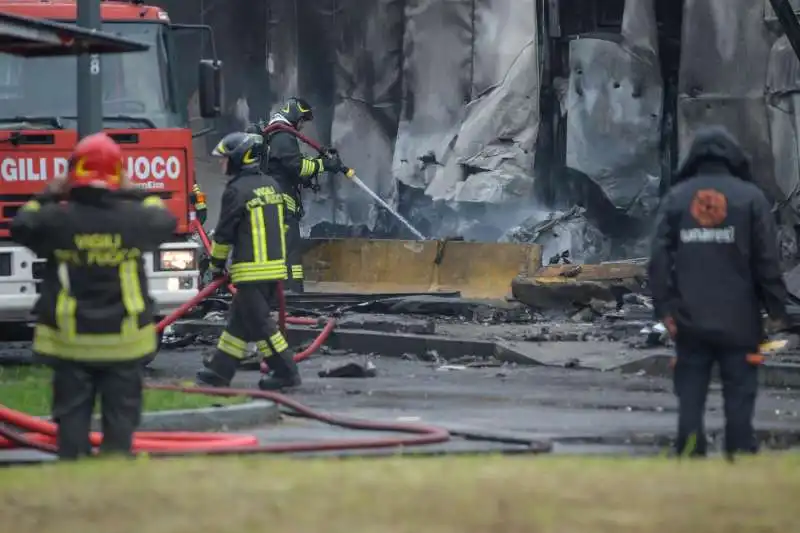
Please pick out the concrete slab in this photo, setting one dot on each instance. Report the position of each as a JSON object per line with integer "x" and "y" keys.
{"x": 771, "y": 374}
{"x": 479, "y": 270}
{"x": 589, "y": 355}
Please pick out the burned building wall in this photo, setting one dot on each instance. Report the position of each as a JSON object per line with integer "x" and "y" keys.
{"x": 614, "y": 111}
{"x": 439, "y": 105}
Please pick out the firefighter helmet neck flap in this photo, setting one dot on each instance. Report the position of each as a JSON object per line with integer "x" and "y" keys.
{"x": 297, "y": 110}
{"x": 96, "y": 162}
{"x": 242, "y": 150}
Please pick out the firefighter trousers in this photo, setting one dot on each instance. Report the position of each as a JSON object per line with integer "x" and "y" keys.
{"x": 76, "y": 387}
{"x": 250, "y": 320}
{"x": 692, "y": 376}
{"x": 294, "y": 254}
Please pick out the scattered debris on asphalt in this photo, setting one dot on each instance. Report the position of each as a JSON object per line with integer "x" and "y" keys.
{"x": 350, "y": 370}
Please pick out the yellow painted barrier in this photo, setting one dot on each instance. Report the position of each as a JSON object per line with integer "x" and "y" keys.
{"x": 477, "y": 270}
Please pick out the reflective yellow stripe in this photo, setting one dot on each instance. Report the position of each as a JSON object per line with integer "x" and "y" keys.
{"x": 66, "y": 305}
{"x": 233, "y": 346}
{"x": 297, "y": 271}
{"x": 220, "y": 251}
{"x": 291, "y": 205}
{"x": 283, "y": 233}
{"x": 258, "y": 233}
{"x": 32, "y": 205}
{"x": 275, "y": 265}
{"x": 279, "y": 342}
{"x": 200, "y": 206}
{"x": 276, "y": 341}
{"x": 258, "y": 276}
{"x": 152, "y": 201}
{"x": 132, "y": 297}
{"x": 310, "y": 167}
{"x": 95, "y": 347}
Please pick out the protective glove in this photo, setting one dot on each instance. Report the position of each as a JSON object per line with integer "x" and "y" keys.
{"x": 331, "y": 162}
{"x": 217, "y": 270}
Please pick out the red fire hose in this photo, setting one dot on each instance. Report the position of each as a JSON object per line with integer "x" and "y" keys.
{"x": 38, "y": 434}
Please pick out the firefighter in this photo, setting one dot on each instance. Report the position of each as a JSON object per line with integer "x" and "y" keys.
{"x": 251, "y": 224}
{"x": 294, "y": 172}
{"x": 94, "y": 315}
{"x": 714, "y": 265}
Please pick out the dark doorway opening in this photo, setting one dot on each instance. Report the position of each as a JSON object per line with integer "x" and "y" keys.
{"x": 669, "y": 17}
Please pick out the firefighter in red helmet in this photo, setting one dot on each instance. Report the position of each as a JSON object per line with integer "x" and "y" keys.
{"x": 94, "y": 314}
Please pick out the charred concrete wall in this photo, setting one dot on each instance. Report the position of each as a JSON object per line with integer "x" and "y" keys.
{"x": 443, "y": 107}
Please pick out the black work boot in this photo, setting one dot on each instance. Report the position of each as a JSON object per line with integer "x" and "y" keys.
{"x": 283, "y": 373}
{"x": 218, "y": 371}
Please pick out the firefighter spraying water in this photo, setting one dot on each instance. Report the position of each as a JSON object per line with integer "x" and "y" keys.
{"x": 295, "y": 172}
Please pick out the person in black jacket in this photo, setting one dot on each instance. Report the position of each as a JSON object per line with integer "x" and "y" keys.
{"x": 294, "y": 172}
{"x": 94, "y": 315}
{"x": 251, "y": 232}
{"x": 714, "y": 265}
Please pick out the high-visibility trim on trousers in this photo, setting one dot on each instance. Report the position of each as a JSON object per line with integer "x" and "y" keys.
{"x": 236, "y": 347}
{"x": 233, "y": 346}
{"x": 275, "y": 345}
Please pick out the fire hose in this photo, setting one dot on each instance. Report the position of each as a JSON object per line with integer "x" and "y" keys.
{"x": 38, "y": 434}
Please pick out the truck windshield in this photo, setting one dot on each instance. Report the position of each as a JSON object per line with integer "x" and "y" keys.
{"x": 135, "y": 85}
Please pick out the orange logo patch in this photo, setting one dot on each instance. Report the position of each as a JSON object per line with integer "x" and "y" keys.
{"x": 709, "y": 207}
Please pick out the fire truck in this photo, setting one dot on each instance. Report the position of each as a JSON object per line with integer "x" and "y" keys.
{"x": 142, "y": 111}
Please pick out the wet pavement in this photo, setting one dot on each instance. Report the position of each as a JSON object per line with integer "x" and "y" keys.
{"x": 578, "y": 410}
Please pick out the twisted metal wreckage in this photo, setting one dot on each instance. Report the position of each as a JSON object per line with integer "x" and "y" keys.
{"x": 478, "y": 116}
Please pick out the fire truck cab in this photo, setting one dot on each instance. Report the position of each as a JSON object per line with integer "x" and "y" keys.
{"x": 142, "y": 110}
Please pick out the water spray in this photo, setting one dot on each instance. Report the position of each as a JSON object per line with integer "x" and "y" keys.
{"x": 351, "y": 175}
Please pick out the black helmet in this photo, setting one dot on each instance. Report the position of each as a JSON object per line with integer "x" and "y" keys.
{"x": 243, "y": 150}
{"x": 297, "y": 109}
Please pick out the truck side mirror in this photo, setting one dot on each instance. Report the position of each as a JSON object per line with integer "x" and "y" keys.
{"x": 210, "y": 88}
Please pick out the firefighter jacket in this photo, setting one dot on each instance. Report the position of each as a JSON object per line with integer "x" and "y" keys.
{"x": 290, "y": 167}
{"x": 714, "y": 263}
{"x": 94, "y": 304}
{"x": 251, "y": 228}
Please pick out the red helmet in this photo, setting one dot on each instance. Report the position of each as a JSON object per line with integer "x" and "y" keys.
{"x": 96, "y": 162}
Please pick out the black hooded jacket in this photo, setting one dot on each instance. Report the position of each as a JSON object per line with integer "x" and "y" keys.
{"x": 714, "y": 261}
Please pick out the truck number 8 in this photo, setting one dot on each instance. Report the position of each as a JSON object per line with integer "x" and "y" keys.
{"x": 94, "y": 65}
